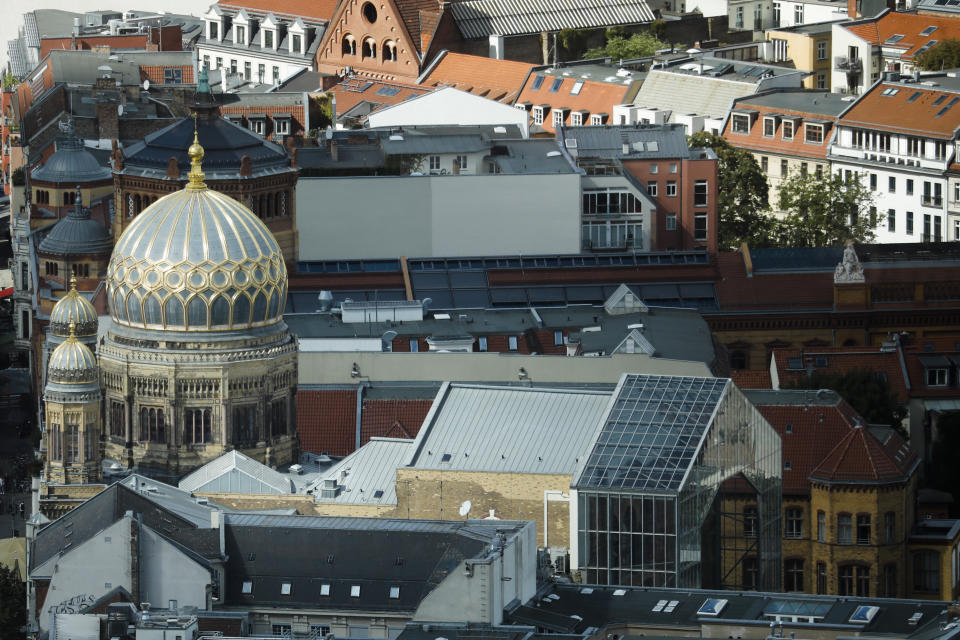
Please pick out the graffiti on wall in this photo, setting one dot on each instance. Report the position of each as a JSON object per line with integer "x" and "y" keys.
{"x": 76, "y": 604}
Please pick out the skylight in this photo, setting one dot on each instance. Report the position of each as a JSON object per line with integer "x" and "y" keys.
{"x": 864, "y": 614}
{"x": 556, "y": 85}
{"x": 928, "y": 31}
{"x": 657, "y": 608}
{"x": 325, "y": 590}
{"x": 619, "y": 592}
{"x": 537, "y": 81}
{"x": 895, "y": 38}
{"x": 378, "y": 493}
{"x": 388, "y": 91}
{"x": 285, "y": 589}
{"x": 446, "y": 457}
{"x": 355, "y": 591}
{"x": 712, "y": 607}
{"x": 890, "y": 91}
{"x": 394, "y": 592}
{"x": 916, "y": 94}
{"x": 247, "y": 588}
{"x": 575, "y": 91}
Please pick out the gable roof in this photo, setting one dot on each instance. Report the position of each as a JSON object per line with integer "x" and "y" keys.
{"x": 483, "y": 18}
{"x": 369, "y": 470}
{"x": 491, "y": 78}
{"x": 234, "y": 472}
{"x": 394, "y": 418}
{"x": 567, "y": 89}
{"x": 321, "y": 10}
{"x": 327, "y": 420}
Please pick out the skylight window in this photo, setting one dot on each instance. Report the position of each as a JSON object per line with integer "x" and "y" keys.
{"x": 864, "y": 614}
{"x": 916, "y": 94}
{"x": 928, "y": 31}
{"x": 247, "y": 588}
{"x": 657, "y": 608}
{"x": 355, "y": 591}
{"x": 937, "y": 102}
{"x": 324, "y": 590}
{"x": 894, "y": 39}
{"x": 556, "y": 85}
{"x": 712, "y": 607}
{"x": 619, "y": 592}
{"x": 537, "y": 81}
{"x": 445, "y": 457}
{"x": 394, "y": 593}
{"x": 285, "y": 589}
{"x": 577, "y": 86}
{"x": 890, "y": 91}
{"x": 378, "y": 493}
{"x": 388, "y": 91}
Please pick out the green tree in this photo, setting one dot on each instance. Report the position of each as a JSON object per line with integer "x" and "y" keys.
{"x": 742, "y": 193}
{"x": 868, "y": 393}
{"x": 638, "y": 45}
{"x": 13, "y": 604}
{"x": 945, "y": 55}
{"x": 574, "y": 42}
{"x": 824, "y": 211}
{"x": 10, "y": 81}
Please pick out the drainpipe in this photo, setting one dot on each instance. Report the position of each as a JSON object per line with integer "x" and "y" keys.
{"x": 551, "y": 495}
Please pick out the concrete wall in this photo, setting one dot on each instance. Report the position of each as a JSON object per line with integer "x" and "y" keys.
{"x": 335, "y": 368}
{"x": 166, "y": 573}
{"x": 362, "y": 217}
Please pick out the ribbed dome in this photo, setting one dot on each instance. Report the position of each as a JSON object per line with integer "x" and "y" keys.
{"x": 73, "y": 309}
{"x": 72, "y": 362}
{"x": 72, "y": 164}
{"x": 197, "y": 260}
{"x": 77, "y": 234}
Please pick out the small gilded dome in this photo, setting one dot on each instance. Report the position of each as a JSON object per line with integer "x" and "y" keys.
{"x": 73, "y": 309}
{"x": 72, "y": 362}
{"x": 196, "y": 260}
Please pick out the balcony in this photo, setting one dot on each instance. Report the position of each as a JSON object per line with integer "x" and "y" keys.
{"x": 850, "y": 65}
{"x": 931, "y": 201}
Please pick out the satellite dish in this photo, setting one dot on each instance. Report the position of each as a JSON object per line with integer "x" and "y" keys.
{"x": 465, "y": 508}
{"x": 146, "y": 85}
{"x": 119, "y": 109}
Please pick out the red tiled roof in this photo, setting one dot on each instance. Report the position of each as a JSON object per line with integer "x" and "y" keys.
{"x": 844, "y": 360}
{"x": 931, "y": 348}
{"x": 751, "y": 379}
{"x": 902, "y": 113}
{"x": 860, "y": 457}
{"x": 593, "y": 96}
{"x": 907, "y": 25}
{"x": 348, "y": 95}
{"x": 420, "y": 17}
{"x": 770, "y": 291}
{"x": 313, "y": 9}
{"x": 327, "y": 421}
{"x": 392, "y": 418}
{"x": 495, "y": 79}
{"x": 754, "y": 140}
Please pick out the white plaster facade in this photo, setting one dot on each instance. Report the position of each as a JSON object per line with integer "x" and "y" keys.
{"x": 790, "y": 13}
{"x": 856, "y": 62}
{"x": 449, "y": 106}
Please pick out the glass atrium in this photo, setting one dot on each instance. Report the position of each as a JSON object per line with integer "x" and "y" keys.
{"x": 649, "y": 494}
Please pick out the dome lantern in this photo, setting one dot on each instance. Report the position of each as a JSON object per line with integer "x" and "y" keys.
{"x": 72, "y": 362}
{"x": 73, "y": 310}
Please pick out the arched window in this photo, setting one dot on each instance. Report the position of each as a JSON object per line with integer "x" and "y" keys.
{"x": 349, "y": 45}
{"x": 152, "y": 426}
{"x": 197, "y": 426}
{"x": 369, "y": 48}
{"x": 246, "y": 431}
{"x": 137, "y": 204}
{"x": 390, "y": 51}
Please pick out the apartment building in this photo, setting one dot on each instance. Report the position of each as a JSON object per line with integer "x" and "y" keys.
{"x": 808, "y": 47}
{"x": 262, "y": 42}
{"x": 786, "y": 130}
{"x": 900, "y": 139}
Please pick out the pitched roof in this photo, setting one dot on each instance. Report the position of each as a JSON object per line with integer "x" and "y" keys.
{"x": 327, "y": 420}
{"x": 368, "y": 475}
{"x": 393, "y": 418}
{"x": 751, "y": 379}
{"x": 499, "y": 80}
{"x": 234, "y": 472}
{"x": 313, "y": 9}
{"x": 838, "y": 360}
{"x": 912, "y": 109}
{"x": 805, "y": 105}
{"x": 576, "y": 94}
{"x": 884, "y": 30}
{"x": 860, "y": 458}
{"x": 376, "y": 94}
{"x": 690, "y": 94}
{"x": 483, "y": 18}
{"x": 420, "y": 17}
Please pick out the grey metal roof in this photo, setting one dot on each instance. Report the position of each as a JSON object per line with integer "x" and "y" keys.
{"x": 482, "y": 18}
{"x": 77, "y": 234}
{"x": 71, "y": 164}
{"x": 691, "y": 94}
{"x": 17, "y": 54}
{"x": 423, "y": 144}
{"x": 535, "y": 155}
{"x": 652, "y": 433}
{"x": 816, "y": 102}
{"x": 368, "y": 475}
{"x": 234, "y": 472}
{"x": 520, "y": 430}
{"x": 607, "y": 141}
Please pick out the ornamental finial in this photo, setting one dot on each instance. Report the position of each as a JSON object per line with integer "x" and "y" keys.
{"x": 195, "y": 177}
{"x": 73, "y": 282}
{"x": 73, "y": 330}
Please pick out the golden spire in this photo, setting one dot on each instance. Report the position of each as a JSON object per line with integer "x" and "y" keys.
{"x": 195, "y": 177}
{"x": 73, "y": 332}
{"x": 73, "y": 283}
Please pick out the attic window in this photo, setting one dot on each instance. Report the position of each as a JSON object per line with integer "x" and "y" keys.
{"x": 285, "y": 589}
{"x": 577, "y": 86}
{"x": 247, "y": 588}
{"x": 821, "y": 361}
{"x": 394, "y": 593}
{"x": 787, "y": 466}
{"x": 445, "y": 457}
{"x": 537, "y": 82}
{"x": 890, "y": 92}
{"x": 928, "y": 31}
{"x": 556, "y": 85}
{"x": 789, "y": 428}
{"x": 355, "y": 591}
{"x": 378, "y": 493}
{"x": 795, "y": 364}
{"x": 894, "y": 39}
{"x": 324, "y": 590}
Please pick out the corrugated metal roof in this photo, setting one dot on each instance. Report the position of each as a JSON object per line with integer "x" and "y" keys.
{"x": 691, "y": 94}
{"x": 482, "y": 18}
{"x": 234, "y": 472}
{"x": 520, "y": 430}
{"x": 369, "y": 470}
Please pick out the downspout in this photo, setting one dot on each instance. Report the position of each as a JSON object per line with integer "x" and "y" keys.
{"x": 359, "y": 423}
{"x": 551, "y": 495}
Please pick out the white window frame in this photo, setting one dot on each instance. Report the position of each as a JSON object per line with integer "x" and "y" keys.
{"x": 822, "y": 53}
{"x": 434, "y": 163}
{"x": 537, "y": 113}
{"x": 461, "y": 162}
{"x": 740, "y": 123}
{"x": 281, "y": 126}
{"x": 671, "y": 190}
{"x": 559, "y": 115}
{"x": 939, "y": 377}
{"x": 670, "y": 222}
{"x": 808, "y": 127}
{"x": 652, "y": 189}
{"x": 512, "y": 343}
{"x": 576, "y": 119}
{"x": 790, "y": 125}
{"x": 596, "y": 120}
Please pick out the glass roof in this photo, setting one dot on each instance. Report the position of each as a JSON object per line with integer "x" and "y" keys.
{"x": 797, "y": 607}
{"x": 652, "y": 432}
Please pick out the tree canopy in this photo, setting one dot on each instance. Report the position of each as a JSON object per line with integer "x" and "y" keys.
{"x": 945, "y": 55}
{"x": 13, "y": 604}
{"x": 864, "y": 390}
{"x": 825, "y": 211}
{"x": 638, "y": 45}
{"x": 742, "y": 194}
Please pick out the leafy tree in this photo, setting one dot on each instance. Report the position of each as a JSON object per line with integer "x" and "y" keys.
{"x": 638, "y": 45}
{"x": 864, "y": 390}
{"x": 824, "y": 211}
{"x": 574, "y": 42}
{"x": 741, "y": 194}
{"x": 945, "y": 55}
{"x": 13, "y": 605}
{"x": 10, "y": 81}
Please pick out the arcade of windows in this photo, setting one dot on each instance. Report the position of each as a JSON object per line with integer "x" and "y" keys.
{"x": 368, "y": 50}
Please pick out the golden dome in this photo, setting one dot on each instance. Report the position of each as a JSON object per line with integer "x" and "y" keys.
{"x": 196, "y": 260}
{"x": 73, "y": 309}
{"x": 72, "y": 362}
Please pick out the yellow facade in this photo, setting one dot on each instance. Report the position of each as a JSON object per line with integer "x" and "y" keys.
{"x": 808, "y": 51}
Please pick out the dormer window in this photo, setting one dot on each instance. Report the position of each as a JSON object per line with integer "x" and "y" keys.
{"x": 267, "y": 39}
{"x": 213, "y": 30}
{"x": 937, "y": 377}
{"x": 769, "y": 126}
{"x": 741, "y": 123}
{"x": 297, "y": 44}
{"x": 241, "y": 35}
{"x": 788, "y": 129}
{"x": 538, "y": 112}
{"x": 813, "y": 133}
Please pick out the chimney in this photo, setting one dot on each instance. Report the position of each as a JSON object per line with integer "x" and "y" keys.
{"x": 215, "y": 517}
{"x": 496, "y": 47}
{"x": 625, "y": 149}
{"x": 76, "y": 27}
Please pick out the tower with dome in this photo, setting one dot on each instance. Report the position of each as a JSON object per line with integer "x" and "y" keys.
{"x": 196, "y": 358}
